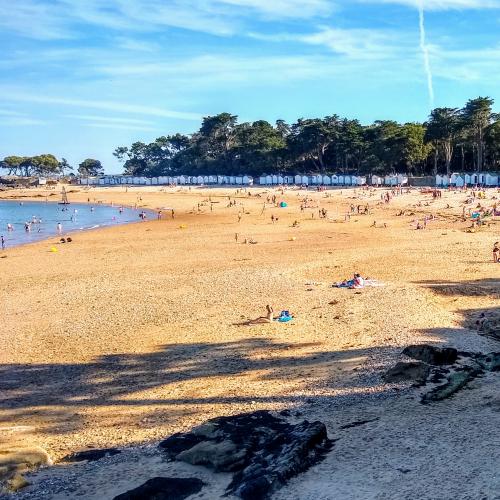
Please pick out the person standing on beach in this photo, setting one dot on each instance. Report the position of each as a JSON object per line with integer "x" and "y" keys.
{"x": 59, "y": 228}
{"x": 3, "y": 242}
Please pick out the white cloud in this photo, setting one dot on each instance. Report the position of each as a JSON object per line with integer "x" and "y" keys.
{"x": 104, "y": 105}
{"x": 110, "y": 119}
{"x": 58, "y": 19}
{"x": 120, "y": 126}
{"x": 443, "y": 4}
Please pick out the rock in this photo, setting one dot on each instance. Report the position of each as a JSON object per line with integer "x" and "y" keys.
{"x": 489, "y": 362}
{"x": 222, "y": 457}
{"x": 14, "y": 462}
{"x": 264, "y": 451}
{"x": 454, "y": 383}
{"x": 90, "y": 455}
{"x": 17, "y": 482}
{"x": 413, "y": 370}
{"x": 432, "y": 355}
{"x": 164, "y": 488}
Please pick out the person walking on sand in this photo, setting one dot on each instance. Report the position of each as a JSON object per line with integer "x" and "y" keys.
{"x": 3, "y": 242}
{"x": 59, "y": 228}
{"x": 239, "y": 217}
{"x": 173, "y": 214}
{"x": 236, "y": 236}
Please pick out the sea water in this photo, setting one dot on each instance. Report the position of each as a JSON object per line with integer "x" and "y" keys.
{"x": 45, "y": 217}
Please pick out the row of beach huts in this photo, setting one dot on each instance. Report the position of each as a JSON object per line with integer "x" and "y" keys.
{"x": 246, "y": 180}
{"x": 460, "y": 180}
{"x": 443, "y": 181}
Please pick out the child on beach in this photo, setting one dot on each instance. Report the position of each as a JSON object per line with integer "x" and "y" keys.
{"x": 496, "y": 252}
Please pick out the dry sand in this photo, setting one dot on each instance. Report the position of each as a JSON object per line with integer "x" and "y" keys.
{"x": 131, "y": 333}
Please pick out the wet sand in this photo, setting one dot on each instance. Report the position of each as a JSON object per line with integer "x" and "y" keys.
{"x": 131, "y": 333}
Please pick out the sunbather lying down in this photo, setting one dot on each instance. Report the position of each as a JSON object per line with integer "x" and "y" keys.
{"x": 357, "y": 282}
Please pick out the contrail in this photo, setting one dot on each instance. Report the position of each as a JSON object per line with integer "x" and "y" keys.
{"x": 425, "y": 53}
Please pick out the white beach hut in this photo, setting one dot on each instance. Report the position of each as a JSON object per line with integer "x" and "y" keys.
{"x": 341, "y": 180}
{"x": 154, "y": 181}
{"x": 347, "y": 180}
{"x": 335, "y": 180}
{"x": 327, "y": 181}
{"x": 491, "y": 180}
{"x": 402, "y": 179}
{"x": 305, "y": 180}
{"x": 459, "y": 181}
{"x": 247, "y": 180}
{"x": 280, "y": 179}
{"x": 298, "y": 180}
{"x": 268, "y": 180}
{"x": 274, "y": 180}
{"x": 239, "y": 180}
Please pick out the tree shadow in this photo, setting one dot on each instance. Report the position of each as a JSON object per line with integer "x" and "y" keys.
{"x": 472, "y": 288}
{"x": 483, "y": 321}
{"x": 56, "y": 395}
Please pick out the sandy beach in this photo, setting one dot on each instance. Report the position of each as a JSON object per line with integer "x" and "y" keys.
{"x": 132, "y": 333}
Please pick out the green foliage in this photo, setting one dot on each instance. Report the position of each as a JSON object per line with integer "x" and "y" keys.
{"x": 90, "y": 168}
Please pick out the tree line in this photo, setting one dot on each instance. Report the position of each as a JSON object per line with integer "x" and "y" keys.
{"x": 48, "y": 165}
{"x": 452, "y": 139}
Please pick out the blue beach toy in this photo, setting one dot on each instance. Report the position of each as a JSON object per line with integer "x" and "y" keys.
{"x": 283, "y": 204}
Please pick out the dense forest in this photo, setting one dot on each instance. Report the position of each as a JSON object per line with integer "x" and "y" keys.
{"x": 452, "y": 139}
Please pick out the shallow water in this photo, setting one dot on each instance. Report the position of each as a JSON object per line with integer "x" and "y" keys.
{"x": 44, "y": 218}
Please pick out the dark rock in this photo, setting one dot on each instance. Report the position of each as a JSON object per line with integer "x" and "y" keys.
{"x": 264, "y": 451}
{"x": 432, "y": 355}
{"x": 413, "y": 370}
{"x": 90, "y": 455}
{"x": 438, "y": 375}
{"x": 489, "y": 362}
{"x": 454, "y": 383}
{"x": 164, "y": 488}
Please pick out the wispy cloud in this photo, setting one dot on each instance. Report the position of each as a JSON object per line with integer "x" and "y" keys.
{"x": 56, "y": 19}
{"x": 353, "y": 43}
{"x": 114, "y": 122}
{"x": 121, "y": 126}
{"x": 110, "y": 119}
{"x": 436, "y": 5}
{"x": 103, "y": 105}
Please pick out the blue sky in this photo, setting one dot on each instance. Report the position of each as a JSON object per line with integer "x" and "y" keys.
{"x": 81, "y": 77}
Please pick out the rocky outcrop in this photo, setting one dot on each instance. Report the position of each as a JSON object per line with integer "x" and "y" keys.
{"x": 90, "y": 455}
{"x": 436, "y": 364}
{"x": 15, "y": 462}
{"x": 262, "y": 450}
{"x": 432, "y": 355}
{"x": 455, "y": 381}
{"x": 164, "y": 488}
{"x": 413, "y": 370}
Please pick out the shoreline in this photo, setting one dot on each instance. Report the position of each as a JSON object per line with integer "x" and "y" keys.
{"x": 65, "y": 234}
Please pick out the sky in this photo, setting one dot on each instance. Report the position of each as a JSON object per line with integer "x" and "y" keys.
{"x": 81, "y": 77}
